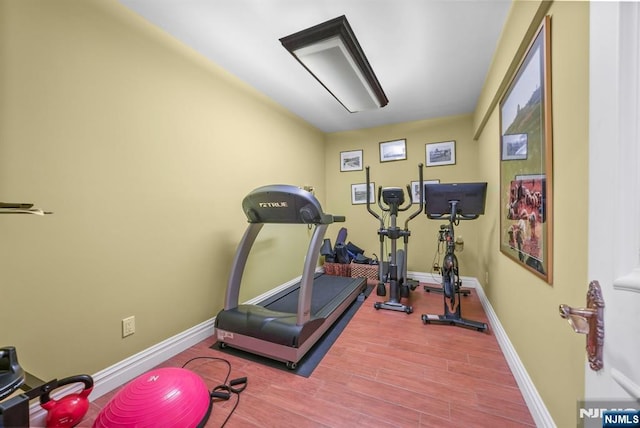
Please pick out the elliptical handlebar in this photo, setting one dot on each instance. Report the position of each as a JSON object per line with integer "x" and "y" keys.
{"x": 372, "y": 212}
{"x": 379, "y": 200}
{"x": 421, "y": 194}
{"x": 410, "y": 201}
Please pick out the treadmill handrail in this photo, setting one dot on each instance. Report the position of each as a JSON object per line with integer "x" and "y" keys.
{"x": 232, "y": 295}
{"x": 308, "y": 273}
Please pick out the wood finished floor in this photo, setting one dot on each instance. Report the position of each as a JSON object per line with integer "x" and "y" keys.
{"x": 387, "y": 369}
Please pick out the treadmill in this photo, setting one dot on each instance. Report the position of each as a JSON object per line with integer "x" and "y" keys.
{"x": 285, "y": 326}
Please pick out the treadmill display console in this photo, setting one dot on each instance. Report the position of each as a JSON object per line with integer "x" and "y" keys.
{"x": 283, "y": 204}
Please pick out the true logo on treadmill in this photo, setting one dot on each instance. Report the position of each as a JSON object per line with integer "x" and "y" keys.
{"x": 273, "y": 204}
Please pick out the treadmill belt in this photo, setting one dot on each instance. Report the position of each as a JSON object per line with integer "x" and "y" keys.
{"x": 326, "y": 289}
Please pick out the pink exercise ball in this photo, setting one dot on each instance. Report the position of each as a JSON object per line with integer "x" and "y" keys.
{"x": 167, "y": 397}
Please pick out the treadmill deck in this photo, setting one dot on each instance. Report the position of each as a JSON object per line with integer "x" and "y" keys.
{"x": 274, "y": 320}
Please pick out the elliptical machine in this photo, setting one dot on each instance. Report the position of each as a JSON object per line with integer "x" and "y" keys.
{"x": 399, "y": 287}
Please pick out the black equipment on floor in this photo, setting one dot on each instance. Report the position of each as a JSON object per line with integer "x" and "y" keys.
{"x": 396, "y": 275}
{"x": 285, "y": 327}
{"x": 11, "y": 374}
{"x": 453, "y": 202}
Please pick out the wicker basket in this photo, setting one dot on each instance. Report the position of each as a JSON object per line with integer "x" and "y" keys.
{"x": 364, "y": 271}
{"x": 337, "y": 269}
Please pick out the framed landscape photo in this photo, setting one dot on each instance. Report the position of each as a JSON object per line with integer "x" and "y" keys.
{"x": 526, "y": 182}
{"x": 415, "y": 190}
{"x": 351, "y": 161}
{"x": 393, "y": 150}
{"x": 359, "y": 193}
{"x": 441, "y": 153}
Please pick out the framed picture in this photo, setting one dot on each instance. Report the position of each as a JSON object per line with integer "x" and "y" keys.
{"x": 359, "y": 193}
{"x": 415, "y": 189}
{"x": 526, "y": 182}
{"x": 514, "y": 146}
{"x": 441, "y": 153}
{"x": 351, "y": 161}
{"x": 393, "y": 150}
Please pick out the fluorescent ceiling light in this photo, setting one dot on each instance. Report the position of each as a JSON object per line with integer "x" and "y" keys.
{"x": 332, "y": 54}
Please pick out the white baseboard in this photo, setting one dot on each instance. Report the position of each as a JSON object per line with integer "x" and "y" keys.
{"x": 436, "y": 278}
{"x": 112, "y": 377}
{"x": 539, "y": 412}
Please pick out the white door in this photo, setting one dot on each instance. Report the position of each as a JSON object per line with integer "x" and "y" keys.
{"x": 614, "y": 201}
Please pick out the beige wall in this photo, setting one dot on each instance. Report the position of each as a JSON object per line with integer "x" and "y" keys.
{"x": 528, "y": 307}
{"x": 362, "y": 226}
{"x": 144, "y": 151}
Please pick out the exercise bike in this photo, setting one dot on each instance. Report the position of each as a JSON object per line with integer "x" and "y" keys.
{"x": 453, "y": 202}
{"x": 399, "y": 286}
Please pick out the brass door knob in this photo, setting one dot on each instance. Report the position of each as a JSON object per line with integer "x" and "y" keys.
{"x": 589, "y": 321}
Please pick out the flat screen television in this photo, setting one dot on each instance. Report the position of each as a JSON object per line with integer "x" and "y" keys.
{"x": 470, "y": 199}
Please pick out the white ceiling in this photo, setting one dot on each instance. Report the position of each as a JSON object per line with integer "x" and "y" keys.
{"x": 430, "y": 56}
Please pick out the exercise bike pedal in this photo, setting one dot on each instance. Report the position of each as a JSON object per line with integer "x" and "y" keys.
{"x": 381, "y": 290}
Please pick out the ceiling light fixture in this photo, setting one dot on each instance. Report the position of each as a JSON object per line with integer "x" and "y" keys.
{"x": 332, "y": 54}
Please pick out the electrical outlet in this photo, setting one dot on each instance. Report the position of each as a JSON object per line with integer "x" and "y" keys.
{"x": 128, "y": 326}
{"x": 436, "y": 267}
